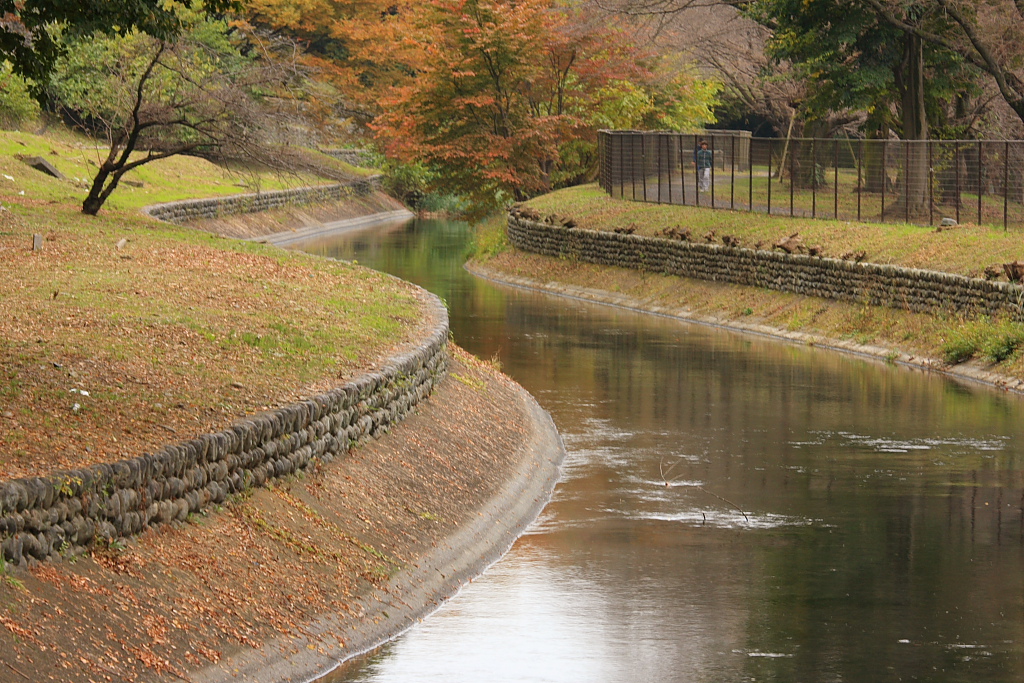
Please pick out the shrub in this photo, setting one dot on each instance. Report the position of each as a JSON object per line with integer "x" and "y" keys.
{"x": 16, "y": 103}
{"x": 961, "y": 345}
{"x": 442, "y": 203}
{"x": 1003, "y": 342}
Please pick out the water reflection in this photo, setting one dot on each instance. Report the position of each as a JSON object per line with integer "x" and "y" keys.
{"x": 733, "y": 509}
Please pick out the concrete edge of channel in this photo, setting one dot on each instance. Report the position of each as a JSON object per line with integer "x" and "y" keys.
{"x": 970, "y": 371}
{"x": 422, "y": 588}
{"x": 286, "y": 237}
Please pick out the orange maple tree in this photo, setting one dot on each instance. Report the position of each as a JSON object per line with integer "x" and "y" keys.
{"x": 359, "y": 49}
{"x": 501, "y": 91}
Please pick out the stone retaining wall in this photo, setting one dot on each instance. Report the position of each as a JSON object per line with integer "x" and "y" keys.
{"x": 876, "y": 284}
{"x": 215, "y": 207}
{"x": 43, "y": 517}
{"x": 356, "y": 157}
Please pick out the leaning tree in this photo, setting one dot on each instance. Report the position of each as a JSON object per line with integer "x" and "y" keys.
{"x": 150, "y": 98}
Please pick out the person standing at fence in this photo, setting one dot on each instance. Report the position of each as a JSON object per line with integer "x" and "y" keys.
{"x": 703, "y": 158}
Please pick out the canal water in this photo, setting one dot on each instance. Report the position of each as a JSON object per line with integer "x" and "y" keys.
{"x": 732, "y": 508}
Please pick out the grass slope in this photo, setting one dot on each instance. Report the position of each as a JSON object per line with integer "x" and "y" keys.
{"x": 107, "y": 352}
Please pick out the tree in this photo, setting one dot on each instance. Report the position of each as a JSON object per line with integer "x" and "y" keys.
{"x": 509, "y": 96}
{"x": 362, "y": 48}
{"x": 989, "y": 35}
{"x": 857, "y": 59}
{"x": 26, "y": 42}
{"x": 152, "y": 98}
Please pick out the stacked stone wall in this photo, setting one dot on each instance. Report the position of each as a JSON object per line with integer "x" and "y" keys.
{"x": 216, "y": 207}
{"x": 59, "y": 514}
{"x": 356, "y": 157}
{"x": 871, "y": 283}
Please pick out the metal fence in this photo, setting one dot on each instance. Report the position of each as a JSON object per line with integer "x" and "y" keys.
{"x": 923, "y": 182}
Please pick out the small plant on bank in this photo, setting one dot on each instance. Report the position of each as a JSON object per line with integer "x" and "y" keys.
{"x": 961, "y": 345}
{"x": 8, "y": 578}
{"x": 1003, "y": 342}
{"x": 996, "y": 342}
{"x": 489, "y": 239}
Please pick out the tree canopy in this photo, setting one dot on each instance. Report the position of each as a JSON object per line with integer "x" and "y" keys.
{"x": 508, "y": 96}
{"x": 30, "y": 47}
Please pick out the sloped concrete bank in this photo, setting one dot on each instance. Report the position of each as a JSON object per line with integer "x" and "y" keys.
{"x": 968, "y": 371}
{"x": 187, "y": 210}
{"x": 483, "y": 534}
{"x": 327, "y": 228}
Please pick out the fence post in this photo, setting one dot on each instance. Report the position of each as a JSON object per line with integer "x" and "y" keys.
{"x": 885, "y": 177}
{"x": 860, "y": 180}
{"x": 981, "y": 189}
{"x": 732, "y": 172}
{"x": 668, "y": 152}
{"x": 906, "y": 181}
{"x": 633, "y": 164}
{"x": 931, "y": 186}
{"x": 1006, "y": 183}
{"x": 956, "y": 161}
{"x": 712, "y": 145}
{"x": 835, "y": 181}
{"x": 814, "y": 181}
{"x": 769, "y": 176}
{"x": 643, "y": 163}
{"x": 682, "y": 168}
{"x": 750, "y": 172}
{"x": 792, "y": 183}
{"x": 657, "y": 152}
{"x": 696, "y": 174}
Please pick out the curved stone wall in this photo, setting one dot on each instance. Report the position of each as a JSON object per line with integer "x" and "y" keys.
{"x": 43, "y": 517}
{"x": 214, "y": 207}
{"x": 876, "y": 284}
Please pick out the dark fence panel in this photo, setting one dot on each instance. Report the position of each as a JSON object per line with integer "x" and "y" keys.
{"x": 925, "y": 182}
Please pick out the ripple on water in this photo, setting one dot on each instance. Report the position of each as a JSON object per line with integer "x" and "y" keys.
{"x": 720, "y": 519}
{"x": 882, "y": 444}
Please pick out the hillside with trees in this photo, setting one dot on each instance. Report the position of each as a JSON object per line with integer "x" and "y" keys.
{"x": 490, "y": 102}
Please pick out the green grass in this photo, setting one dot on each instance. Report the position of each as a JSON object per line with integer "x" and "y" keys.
{"x": 182, "y": 177}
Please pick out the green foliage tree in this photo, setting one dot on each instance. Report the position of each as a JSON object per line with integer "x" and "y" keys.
{"x": 28, "y": 44}
{"x": 855, "y": 59}
{"x": 16, "y": 102}
{"x": 152, "y": 99}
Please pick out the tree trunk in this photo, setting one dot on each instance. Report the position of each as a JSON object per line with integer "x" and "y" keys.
{"x": 94, "y": 200}
{"x": 872, "y": 168}
{"x": 914, "y": 177}
{"x": 807, "y": 172}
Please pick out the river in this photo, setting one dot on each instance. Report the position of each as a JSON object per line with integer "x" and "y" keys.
{"x": 732, "y": 508}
